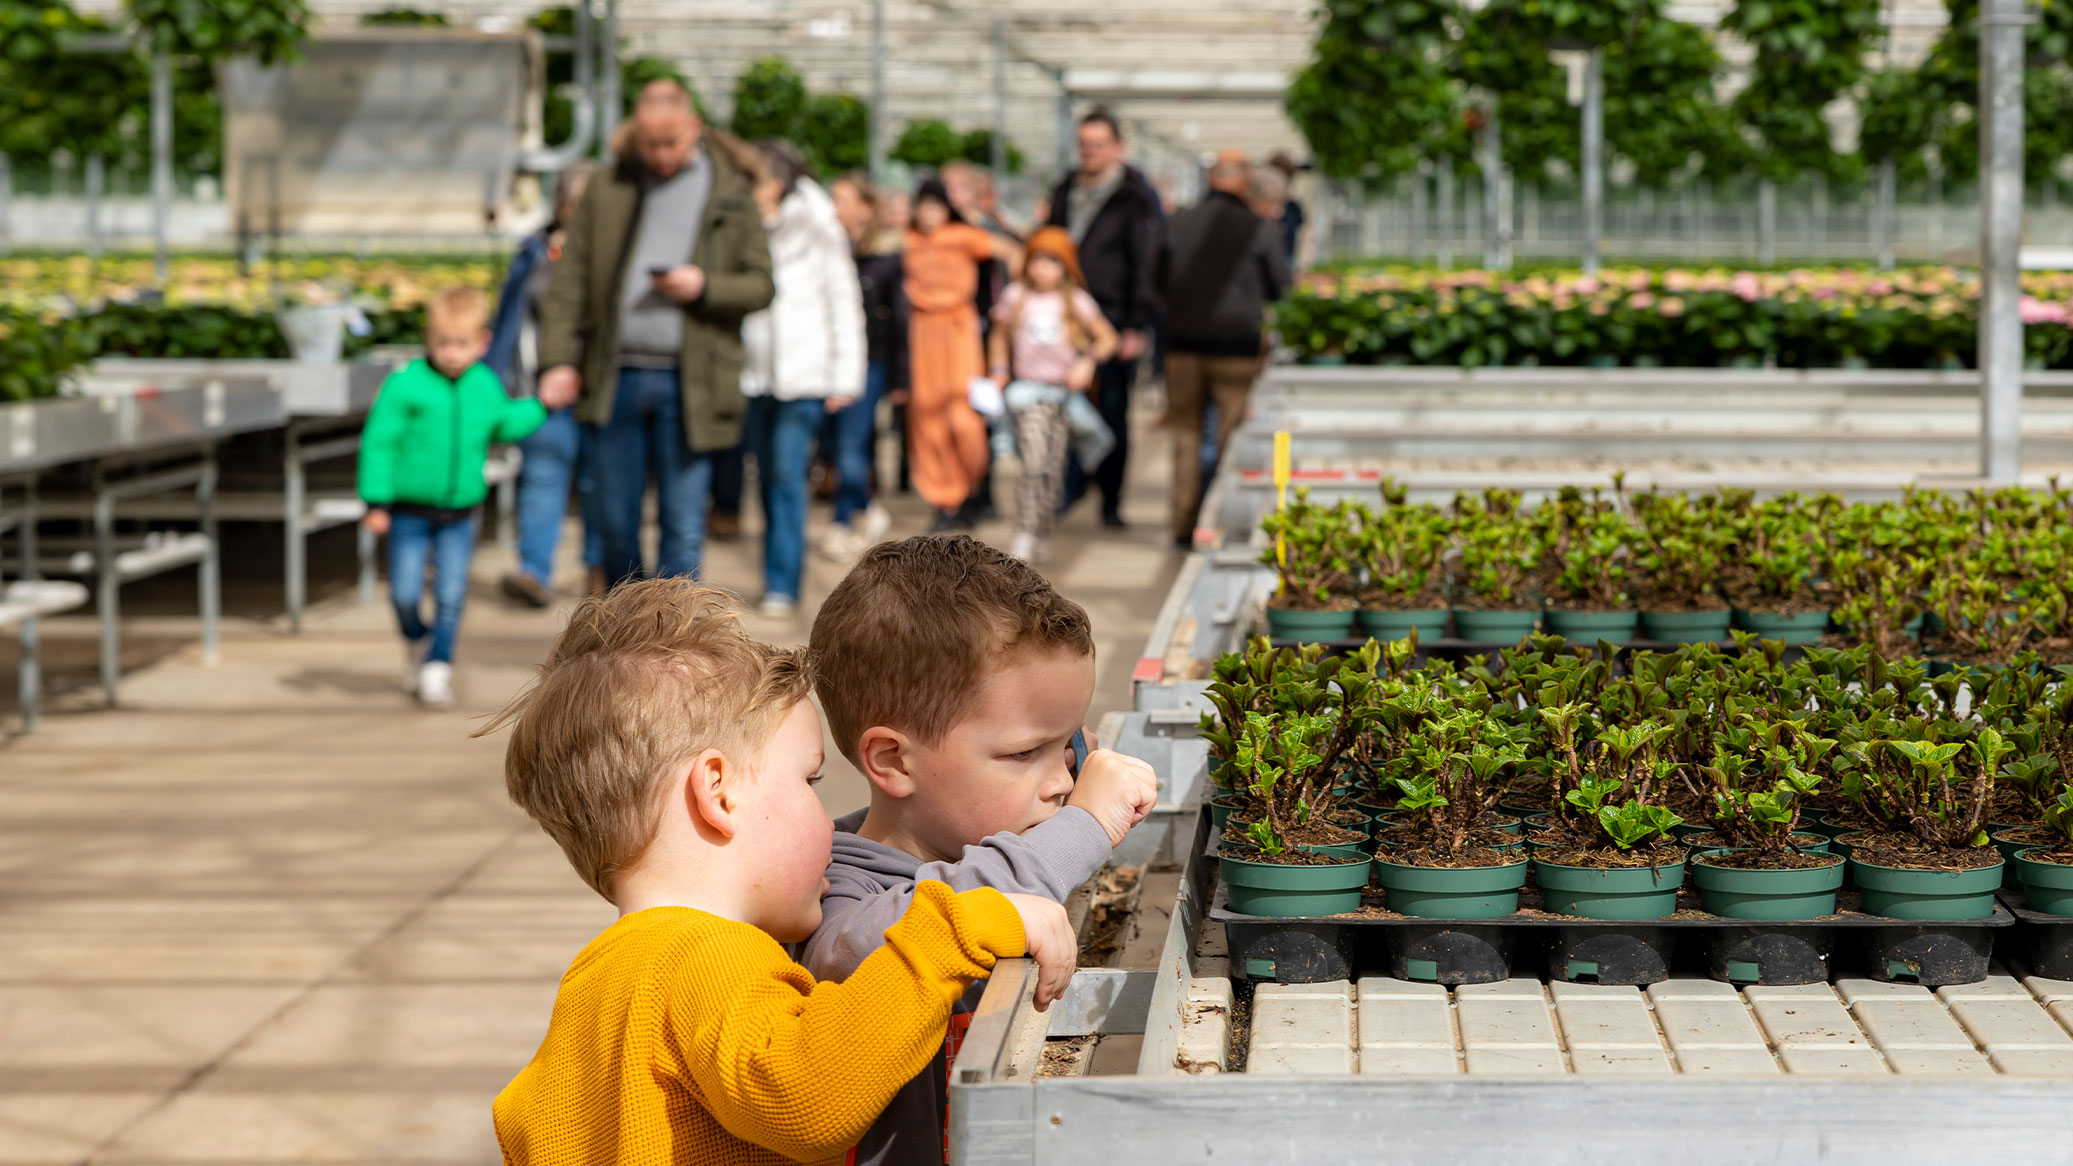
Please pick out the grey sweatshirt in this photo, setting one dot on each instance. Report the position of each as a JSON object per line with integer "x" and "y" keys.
{"x": 870, "y": 885}
{"x": 651, "y": 325}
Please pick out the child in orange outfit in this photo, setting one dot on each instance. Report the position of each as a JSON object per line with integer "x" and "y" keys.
{"x": 673, "y": 759}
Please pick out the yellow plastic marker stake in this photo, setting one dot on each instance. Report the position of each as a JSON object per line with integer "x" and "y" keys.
{"x": 1281, "y": 476}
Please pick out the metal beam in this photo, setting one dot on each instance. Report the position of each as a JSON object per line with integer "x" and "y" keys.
{"x": 161, "y": 162}
{"x": 1594, "y": 156}
{"x": 2001, "y": 232}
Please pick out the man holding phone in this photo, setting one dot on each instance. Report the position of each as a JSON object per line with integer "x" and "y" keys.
{"x": 642, "y": 328}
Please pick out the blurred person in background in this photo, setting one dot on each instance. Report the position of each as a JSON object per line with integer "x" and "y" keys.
{"x": 859, "y": 519}
{"x": 553, "y": 453}
{"x": 1291, "y": 216}
{"x": 805, "y": 356}
{"x": 1218, "y": 268}
{"x": 946, "y": 438}
{"x": 1113, "y": 215}
{"x": 663, "y": 258}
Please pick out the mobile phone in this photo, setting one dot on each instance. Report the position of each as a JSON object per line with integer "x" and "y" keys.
{"x": 662, "y": 270}
{"x": 1078, "y": 745}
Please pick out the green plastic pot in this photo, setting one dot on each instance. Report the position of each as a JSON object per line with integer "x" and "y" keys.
{"x": 1900, "y": 893}
{"x": 1686, "y": 627}
{"x": 1494, "y": 627}
{"x": 1350, "y": 851}
{"x": 1617, "y": 626}
{"x": 1429, "y": 623}
{"x": 1806, "y": 627}
{"x": 1309, "y": 626}
{"x": 1770, "y": 895}
{"x": 1286, "y": 892}
{"x": 1475, "y": 892}
{"x": 1220, "y": 813}
{"x": 1610, "y": 893}
{"x": 2047, "y": 886}
{"x": 2009, "y": 850}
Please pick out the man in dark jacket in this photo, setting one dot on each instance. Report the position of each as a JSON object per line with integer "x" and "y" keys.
{"x": 1218, "y": 268}
{"x": 1113, "y": 215}
{"x": 664, "y": 257}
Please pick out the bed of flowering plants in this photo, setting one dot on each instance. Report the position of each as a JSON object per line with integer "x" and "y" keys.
{"x": 1809, "y": 318}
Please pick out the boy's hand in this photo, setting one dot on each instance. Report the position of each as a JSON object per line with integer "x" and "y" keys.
{"x": 1117, "y": 790}
{"x": 1051, "y": 943}
{"x": 376, "y": 522}
{"x": 559, "y": 386}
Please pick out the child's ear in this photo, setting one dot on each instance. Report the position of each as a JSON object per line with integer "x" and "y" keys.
{"x": 706, "y": 792}
{"x": 883, "y": 754}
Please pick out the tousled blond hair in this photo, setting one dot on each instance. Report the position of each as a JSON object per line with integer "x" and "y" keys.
{"x": 645, "y": 677}
{"x": 463, "y": 309}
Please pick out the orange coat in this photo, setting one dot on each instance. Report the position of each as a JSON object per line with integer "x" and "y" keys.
{"x": 946, "y": 439}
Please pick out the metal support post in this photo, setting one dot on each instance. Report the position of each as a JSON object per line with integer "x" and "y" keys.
{"x": 209, "y": 578}
{"x": 999, "y": 161}
{"x": 2001, "y": 233}
{"x": 292, "y": 510}
{"x": 31, "y": 636}
{"x": 1495, "y": 221}
{"x": 109, "y": 590}
{"x": 878, "y": 111}
{"x": 1443, "y": 211}
{"x": 1883, "y": 217}
{"x": 96, "y": 180}
{"x": 1066, "y": 144}
{"x": 1418, "y": 215}
{"x": 161, "y": 163}
{"x": 6, "y": 203}
{"x": 1594, "y": 156}
{"x": 610, "y": 99}
{"x": 1766, "y": 222}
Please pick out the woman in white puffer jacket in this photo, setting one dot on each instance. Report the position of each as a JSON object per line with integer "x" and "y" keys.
{"x": 804, "y": 357}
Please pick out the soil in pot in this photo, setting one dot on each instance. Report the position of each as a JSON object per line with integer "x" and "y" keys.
{"x": 2047, "y": 879}
{"x": 1313, "y": 833}
{"x": 1764, "y": 885}
{"x": 1383, "y": 624}
{"x": 1293, "y": 884}
{"x": 1610, "y": 884}
{"x": 1494, "y": 627}
{"x": 1935, "y": 883}
{"x": 1686, "y": 627}
{"x": 1617, "y": 626}
{"x": 1309, "y": 626}
{"x": 1474, "y": 883}
{"x": 1806, "y": 840}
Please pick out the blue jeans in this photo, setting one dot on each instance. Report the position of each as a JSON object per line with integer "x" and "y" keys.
{"x": 780, "y": 435}
{"x": 413, "y": 538}
{"x": 646, "y": 433}
{"x": 856, "y": 441}
{"x": 543, "y": 491}
{"x": 1112, "y": 397}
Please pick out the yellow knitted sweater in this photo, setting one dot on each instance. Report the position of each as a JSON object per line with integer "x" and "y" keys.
{"x": 682, "y": 1037}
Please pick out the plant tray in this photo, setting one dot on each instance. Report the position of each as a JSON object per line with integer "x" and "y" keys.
{"x": 1483, "y": 951}
{"x": 2047, "y": 940}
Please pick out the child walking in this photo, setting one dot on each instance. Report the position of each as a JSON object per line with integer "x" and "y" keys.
{"x": 421, "y": 460}
{"x": 1050, "y": 338}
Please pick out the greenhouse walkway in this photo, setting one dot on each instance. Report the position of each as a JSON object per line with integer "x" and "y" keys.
{"x": 268, "y": 912}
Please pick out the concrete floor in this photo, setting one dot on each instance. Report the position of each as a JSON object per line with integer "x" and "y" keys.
{"x": 267, "y": 911}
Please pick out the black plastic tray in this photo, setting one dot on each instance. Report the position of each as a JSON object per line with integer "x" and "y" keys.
{"x": 2047, "y": 940}
{"x": 1562, "y": 947}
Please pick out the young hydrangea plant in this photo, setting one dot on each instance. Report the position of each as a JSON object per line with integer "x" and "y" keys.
{"x": 1315, "y": 549}
{"x": 1916, "y": 788}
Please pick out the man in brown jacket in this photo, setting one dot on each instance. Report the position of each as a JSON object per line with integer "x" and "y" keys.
{"x": 642, "y": 324}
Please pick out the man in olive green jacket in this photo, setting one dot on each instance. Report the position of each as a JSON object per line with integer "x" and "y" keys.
{"x": 642, "y": 324}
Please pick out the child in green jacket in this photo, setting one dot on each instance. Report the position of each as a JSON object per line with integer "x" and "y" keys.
{"x": 421, "y": 462}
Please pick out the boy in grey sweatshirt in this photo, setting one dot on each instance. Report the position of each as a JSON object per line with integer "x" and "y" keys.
{"x": 954, "y": 677}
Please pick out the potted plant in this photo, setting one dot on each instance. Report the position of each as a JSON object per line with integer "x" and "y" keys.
{"x": 1272, "y": 873}
{"x": 1679, "y": 560}
{"x": 1769, "y": 578}
{"x": 1943, "y": 866}
{"x": 1976, "y": 622}
{"x": 1443, "y": 861}
{"x": 1607, "y": 853}
{"x": 1402, "y": 550}
{"x": 1241, "y": 684}
{"x": 1312, "y": 549}
{"x": 1500, "y": 550}
{"x": 2046, "y": 872}
{"x": 1766, "y": 875}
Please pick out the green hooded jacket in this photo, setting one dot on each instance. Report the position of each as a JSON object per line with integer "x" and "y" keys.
{"x": 427, "y": 437}
{"x": 579, "y": 322}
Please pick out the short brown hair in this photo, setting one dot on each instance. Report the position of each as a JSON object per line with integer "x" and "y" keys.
{"x": 903, "y": 640}
{"x": 458, "y": 307}
{"x": 644, "y": 677}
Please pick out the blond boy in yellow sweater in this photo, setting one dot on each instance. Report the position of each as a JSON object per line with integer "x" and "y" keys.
{"x": 673, "y": 759}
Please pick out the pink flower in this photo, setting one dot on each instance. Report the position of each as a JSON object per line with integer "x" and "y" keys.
{"x": 2036, "y": 311}
{"x": 1672, "y": 306}
{"x": 1587, "y": 285}
{"x": 1880, "y": 287}
{"x": 1641, "y": 300}
{"x": 1745, "y": 285}
{"x": 1824, "y": 292}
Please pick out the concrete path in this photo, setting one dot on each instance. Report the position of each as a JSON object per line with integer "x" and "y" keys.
{"x": 269, "y": 912}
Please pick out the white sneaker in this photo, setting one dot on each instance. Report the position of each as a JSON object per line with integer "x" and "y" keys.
{"x": 777, "y": 606}
{"x": 875, "y": 525}
{"x": 840, "y": 544}
{"x": 414, "y": 652}
{"x": 1027, "y": 547}
{"x": 435, "y": 684}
